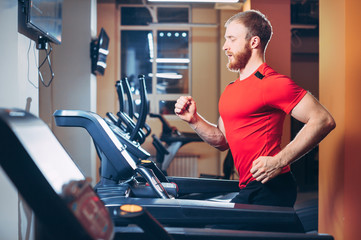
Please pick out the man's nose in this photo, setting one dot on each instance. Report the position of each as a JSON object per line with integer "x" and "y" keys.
{"x": 225, "y": 46}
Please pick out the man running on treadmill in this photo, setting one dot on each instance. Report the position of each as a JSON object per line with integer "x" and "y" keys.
{"x": 252, "y": 111}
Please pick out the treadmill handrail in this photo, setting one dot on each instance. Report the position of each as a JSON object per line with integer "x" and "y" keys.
{"x": 119, "y": 89}
{"x": 143, "y": 108}
{"x": 126, "y": 89}
{"x": 188, "y": 185}
{"x": 188, "y": 212}
{"x": 102, "y": 135}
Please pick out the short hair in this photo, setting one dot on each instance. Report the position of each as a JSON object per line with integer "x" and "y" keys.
{"x": 256, "y": 23}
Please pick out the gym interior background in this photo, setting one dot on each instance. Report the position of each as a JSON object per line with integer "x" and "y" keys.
{"x": 331, "y": 64}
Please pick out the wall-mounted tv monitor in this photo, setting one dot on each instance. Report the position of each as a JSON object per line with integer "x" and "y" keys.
{"x": 43, "y": 19}
{"x": 99, "y": 52}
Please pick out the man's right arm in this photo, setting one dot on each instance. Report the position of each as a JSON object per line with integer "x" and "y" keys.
{"x": 214, "y": 135}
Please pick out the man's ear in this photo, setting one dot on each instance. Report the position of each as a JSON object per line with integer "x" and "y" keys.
{"x": 255, "y": 42}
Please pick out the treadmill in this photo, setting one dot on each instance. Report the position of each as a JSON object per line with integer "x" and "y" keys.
{"x": 65, "y": 205}
{"x": 179, "y": 207}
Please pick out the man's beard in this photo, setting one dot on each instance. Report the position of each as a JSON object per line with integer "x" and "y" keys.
{"x": 241, "y": 59}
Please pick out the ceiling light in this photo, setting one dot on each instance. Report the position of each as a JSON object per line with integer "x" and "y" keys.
{"x": 167, "y": 75}
{"x": 171, "y": 60}
{"x": 198, "y": 1}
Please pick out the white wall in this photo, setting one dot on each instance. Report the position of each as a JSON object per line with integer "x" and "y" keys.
{"x": 74, "y": 87}
{"x": 15, "y": 88}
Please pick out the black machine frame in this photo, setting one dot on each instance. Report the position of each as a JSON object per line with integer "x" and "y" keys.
{"x": 18, "y": 128}
{"x": 187, "y": 210}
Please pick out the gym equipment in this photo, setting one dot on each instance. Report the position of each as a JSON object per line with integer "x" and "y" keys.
{"x": 67, "y": 207}
{"x": 64, "y": 203}
{"x": 179, "y": 211}
{"x": 170, "y": 135}
{"x": 111, "y": 150}
{"x": 173, "y": 139}
{"x": 126, "y": 120}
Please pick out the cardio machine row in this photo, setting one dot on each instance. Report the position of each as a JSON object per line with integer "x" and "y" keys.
{"x": 170, "y": 141}
{"x": 125, "y": 178}
{"x": 146, "y": 190}
{"x": 48, "y": 192}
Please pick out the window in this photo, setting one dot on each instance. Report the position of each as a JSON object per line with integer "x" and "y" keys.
{"x": 172, "y": 62}
{"x": 135, "y": 16}
{"x": 136, "y": 57}
{"x": 173, "y": 15}
{"x": 155, "y": 42}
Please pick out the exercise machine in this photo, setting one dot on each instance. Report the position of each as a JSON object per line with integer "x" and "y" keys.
{"x": 173, "y": 140}
{"x": 180, "y": 208}
{"x": 66, "y": 205}
{"x": 170, "y": 140}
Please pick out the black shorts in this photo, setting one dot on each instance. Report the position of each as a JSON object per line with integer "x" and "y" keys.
{"x": 279, "y": 191}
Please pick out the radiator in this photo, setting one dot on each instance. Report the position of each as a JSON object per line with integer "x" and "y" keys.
{"x": 184, "y": 166}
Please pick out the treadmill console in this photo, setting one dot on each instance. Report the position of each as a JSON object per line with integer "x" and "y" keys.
{"x": 88, "y": 209}
{"x": 65, "y": 205}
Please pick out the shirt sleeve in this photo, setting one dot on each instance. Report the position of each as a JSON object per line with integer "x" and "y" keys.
{"x": 282, "y": 93}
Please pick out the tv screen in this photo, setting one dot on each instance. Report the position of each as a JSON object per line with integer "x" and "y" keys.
{"x": 45, "y": 17}
{"x": 99, "y": 52}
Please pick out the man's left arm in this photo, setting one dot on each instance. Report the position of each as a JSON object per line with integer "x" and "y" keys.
{"x": 318, "y": 123}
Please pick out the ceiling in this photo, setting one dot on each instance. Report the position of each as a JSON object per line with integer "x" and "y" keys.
{"x": 304, "y": 13}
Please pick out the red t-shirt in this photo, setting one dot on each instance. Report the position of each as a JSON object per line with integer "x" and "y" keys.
{"x": 253, "y": 112}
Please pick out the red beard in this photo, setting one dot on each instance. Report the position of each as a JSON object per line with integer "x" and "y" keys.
{"x": 240, "y": 59}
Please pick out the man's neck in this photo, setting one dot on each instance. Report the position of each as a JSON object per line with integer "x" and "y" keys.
{"x": 252, "y": 65}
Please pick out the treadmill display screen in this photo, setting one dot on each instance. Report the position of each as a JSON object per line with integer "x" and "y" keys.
{"x": 59, "y": 169}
